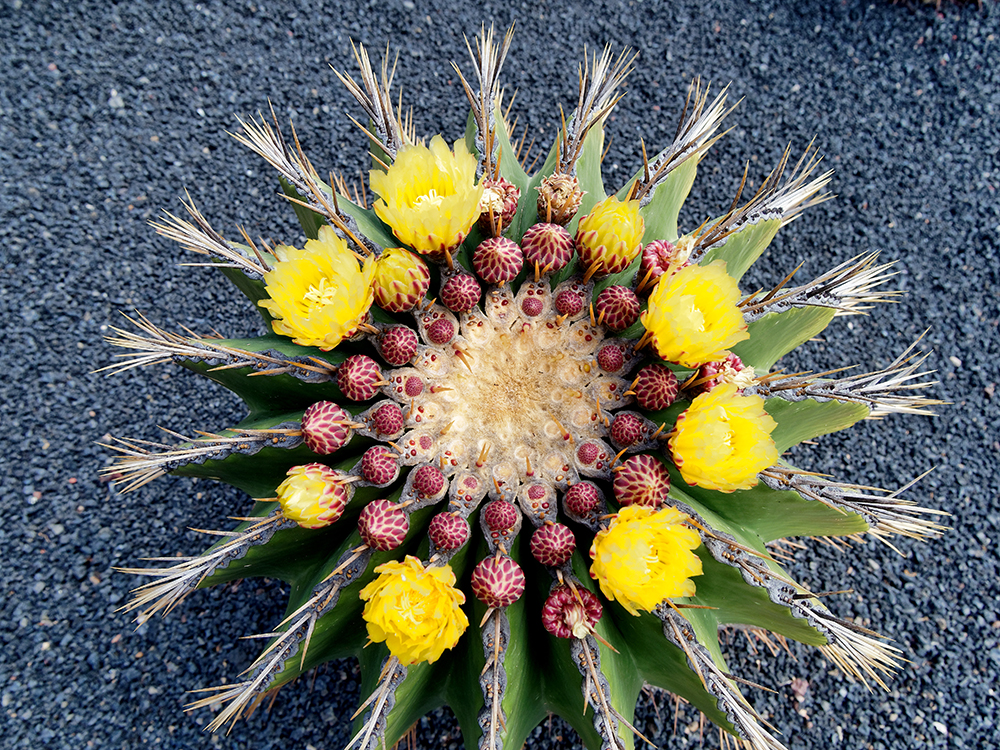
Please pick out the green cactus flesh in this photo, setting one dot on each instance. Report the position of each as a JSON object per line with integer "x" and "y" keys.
{"x": 507, "y": 673}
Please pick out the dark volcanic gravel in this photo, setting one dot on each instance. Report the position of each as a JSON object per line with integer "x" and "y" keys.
{"x": 109, "y": 111}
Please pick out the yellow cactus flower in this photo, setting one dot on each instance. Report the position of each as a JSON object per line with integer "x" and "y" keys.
{"x": 645, "y": 556}
{"x": 319, "y": 294}
{"x": 723, "y": 439}
{"x": 401, "y": 279}
{"x": 610, "y": 235}
{"x": 313, "y": 495}
{"x": 429, "y": 196}
{"x": 417, "y": 611}
{"x": 693, "y": 315}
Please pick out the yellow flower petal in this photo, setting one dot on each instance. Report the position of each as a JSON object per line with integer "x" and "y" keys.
{"x": 723, "y": 440}
{"x": 313, "y": 495}
{"x": 693, "y": 315}
{"x": 416, "y": 611}
{"x": 429, "y": 196}
{"x": 401, "y": 279}
{"x": 645, "y": 556}
{"x": 319, "y": 295}
{"x": 610, "y": 235}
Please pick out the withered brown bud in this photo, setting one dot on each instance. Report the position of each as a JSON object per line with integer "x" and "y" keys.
{"x": 498, "y": 206}
{"x": 559, "y": 198}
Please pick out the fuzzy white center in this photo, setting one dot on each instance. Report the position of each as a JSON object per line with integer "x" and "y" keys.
{"x": 513, "y": 396}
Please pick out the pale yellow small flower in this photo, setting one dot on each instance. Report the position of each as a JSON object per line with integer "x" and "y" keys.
{"x": 693, "y": 315}
{"x": 313, "y": 495}
{"x": 319, "y": 295}
{"x": 417, "y": 611}
{"x": 610, "y": 235}
{"x": 645, "y": 556}
{"x": 429, "y": 196}
{"x": 723, "y": 439}
{"x": 401, "y": 279}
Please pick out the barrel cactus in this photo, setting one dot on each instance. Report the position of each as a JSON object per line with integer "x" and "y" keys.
{"x": 512, "y": 437}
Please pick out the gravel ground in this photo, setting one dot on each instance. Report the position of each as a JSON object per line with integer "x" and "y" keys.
{"x": 109, "y": 111}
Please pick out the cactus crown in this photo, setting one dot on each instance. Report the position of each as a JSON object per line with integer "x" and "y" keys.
{"x": 576, "y": 474}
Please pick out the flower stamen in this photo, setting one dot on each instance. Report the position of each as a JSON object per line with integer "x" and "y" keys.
{"x": 430, "y": 199}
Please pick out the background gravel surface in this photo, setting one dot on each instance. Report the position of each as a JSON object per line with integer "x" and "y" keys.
{"x": 108, "y": 111}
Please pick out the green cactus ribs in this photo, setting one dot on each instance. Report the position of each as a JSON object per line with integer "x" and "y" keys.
{"x": 521, "y": 436}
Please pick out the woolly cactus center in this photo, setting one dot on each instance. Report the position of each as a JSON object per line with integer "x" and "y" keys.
{"x": 509, "y": 392}
{"x": 519, "y": 395}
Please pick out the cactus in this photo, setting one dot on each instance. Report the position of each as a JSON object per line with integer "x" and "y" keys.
{"x": 565, "y": 476}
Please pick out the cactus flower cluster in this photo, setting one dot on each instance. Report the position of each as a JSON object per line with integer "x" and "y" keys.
{"x": 505, "y": 425}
